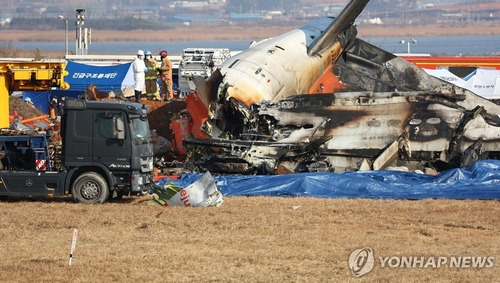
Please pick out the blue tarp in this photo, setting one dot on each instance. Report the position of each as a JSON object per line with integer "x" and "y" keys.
{"x": 80, "y": 77}
{"x": 41, "y": 99}
{"x": 106, "y": 78}
{"x": 479, "y": 181}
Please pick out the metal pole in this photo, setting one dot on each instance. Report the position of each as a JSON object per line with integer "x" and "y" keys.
{"x": 65, "y": 32}
{"x": 80, "y": 40}
{"x": 66, "y": 35}
{"x": 79, "y": 23}
{"x": 408, "y": 42}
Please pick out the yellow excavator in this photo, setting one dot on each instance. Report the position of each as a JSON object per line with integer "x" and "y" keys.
{"x": 33, "y": 76}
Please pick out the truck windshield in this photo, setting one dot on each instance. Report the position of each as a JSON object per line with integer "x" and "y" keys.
{"x": 140, "y": 127}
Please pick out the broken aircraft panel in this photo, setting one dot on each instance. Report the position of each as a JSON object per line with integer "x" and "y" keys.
{"x": 301, "y": 102}
{"x": 343, "y": 129}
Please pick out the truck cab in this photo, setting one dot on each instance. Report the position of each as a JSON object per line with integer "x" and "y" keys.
{"x": 106, "y": 141}
{"x": 107, "y": 152}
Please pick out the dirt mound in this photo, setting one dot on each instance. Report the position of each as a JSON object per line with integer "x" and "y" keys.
{"x": 161, "y": 113}
{"x": 23, "y": 109}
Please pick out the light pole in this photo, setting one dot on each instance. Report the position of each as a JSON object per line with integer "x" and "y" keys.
{"x": 411, "y": 41}
{"x": 80, "y": 21}
{"x": 65, "y": 31}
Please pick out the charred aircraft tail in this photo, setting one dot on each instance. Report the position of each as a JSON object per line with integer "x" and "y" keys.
{"x": 341, "y": 23}
{"x": 207, "y": 89}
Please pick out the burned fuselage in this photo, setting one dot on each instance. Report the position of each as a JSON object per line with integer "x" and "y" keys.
{"x": 351, "y": 131}
{"x": 345, "y": 105}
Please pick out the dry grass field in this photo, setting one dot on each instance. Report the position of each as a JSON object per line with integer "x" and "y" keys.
{"x": 247, "y": 239}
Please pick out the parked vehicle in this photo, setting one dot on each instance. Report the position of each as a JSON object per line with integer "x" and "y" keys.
{"x": 106, "y": 152}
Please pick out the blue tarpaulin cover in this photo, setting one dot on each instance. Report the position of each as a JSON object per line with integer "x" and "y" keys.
{"x": 106, "y": 78}
{"x": 80, "y": 77}
{"x": 479, "y": 181}
{"x": 41, "y": 99}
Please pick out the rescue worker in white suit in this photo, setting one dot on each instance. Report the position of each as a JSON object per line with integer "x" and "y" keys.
{"x": 139, "y": 68}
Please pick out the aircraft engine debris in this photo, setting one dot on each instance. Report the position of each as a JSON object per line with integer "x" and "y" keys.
{"x": 203, "y": 192}
{"x": 320, "y": 99}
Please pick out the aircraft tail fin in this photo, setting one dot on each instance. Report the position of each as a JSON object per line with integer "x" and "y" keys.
{"x": 207, "y": 89}
{"x": 342, "y": 22}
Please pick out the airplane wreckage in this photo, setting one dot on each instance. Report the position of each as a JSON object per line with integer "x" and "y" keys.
{"x": 320, "y": 99}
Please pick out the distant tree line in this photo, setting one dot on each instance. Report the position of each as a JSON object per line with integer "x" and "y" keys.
{"x": 7, "y": 50}
{"x": 102, "y": 24}
{"x": 259, "y": 5}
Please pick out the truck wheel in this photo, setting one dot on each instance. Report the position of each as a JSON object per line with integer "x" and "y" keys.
{"x": 91, "y": 188}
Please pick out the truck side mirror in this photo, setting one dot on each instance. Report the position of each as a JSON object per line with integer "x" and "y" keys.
{"x": 119, "y": 128}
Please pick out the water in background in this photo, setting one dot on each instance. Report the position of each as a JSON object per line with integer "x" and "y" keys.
{"x": 441, "y": 45}
{"x": 131, "y": 47}
{"x": 435, "y": 45}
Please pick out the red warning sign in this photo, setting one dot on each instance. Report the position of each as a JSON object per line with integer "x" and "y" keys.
{"x": 41, "y": 164}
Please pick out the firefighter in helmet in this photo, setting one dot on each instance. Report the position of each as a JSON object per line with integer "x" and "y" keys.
{"x": 151, "y": 76}
{"x": 166, "y": 76}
